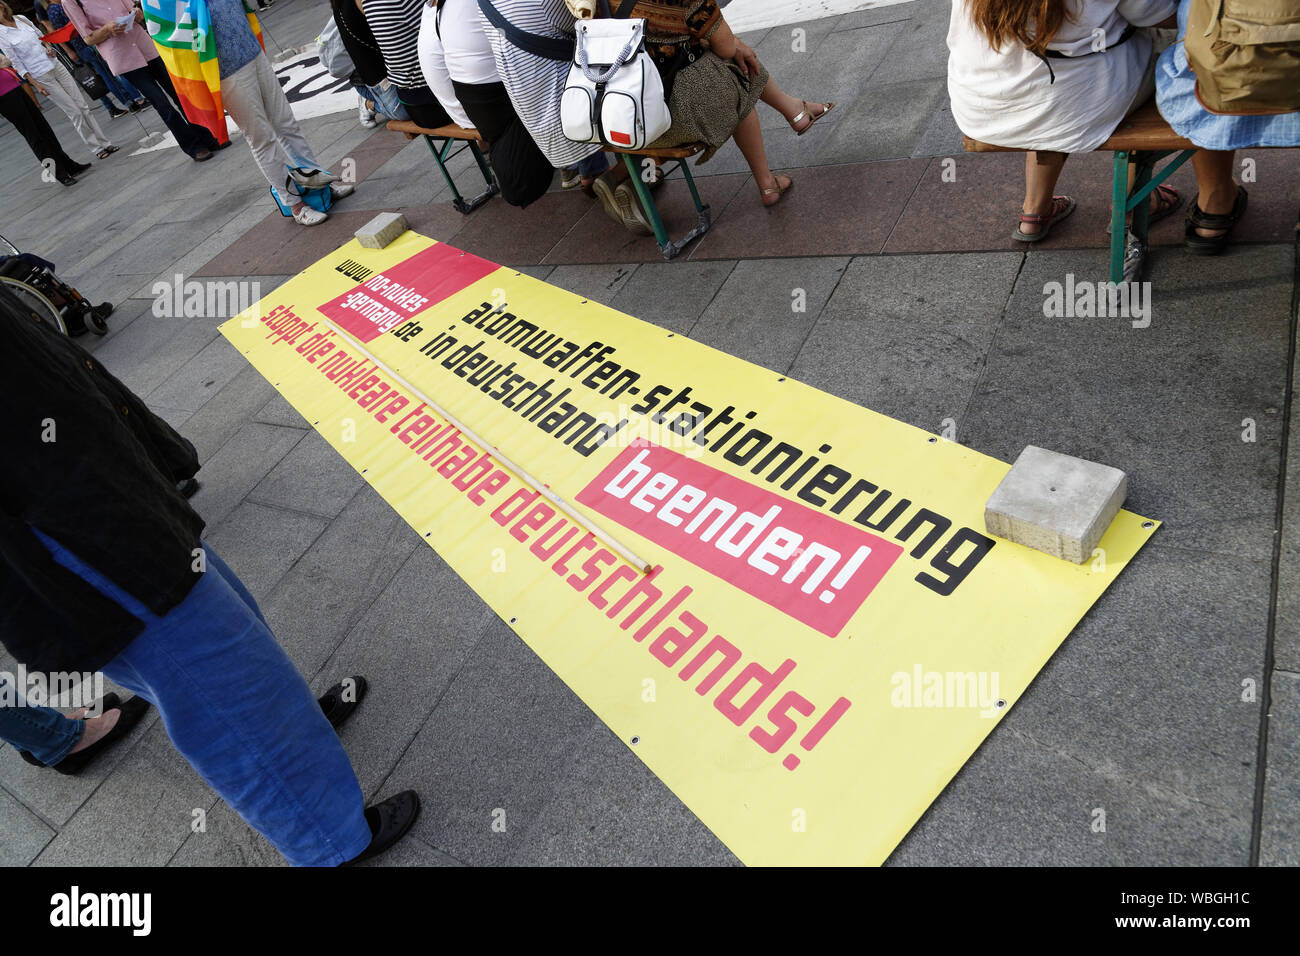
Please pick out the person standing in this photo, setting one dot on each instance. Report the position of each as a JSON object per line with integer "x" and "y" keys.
{"x": 103, "y": 568}
{"x": 17, "y": 107}
{"x": 126, "y": 94}
{"x": 20, "y": 41}
{"x": 251, "y": 93}
{"x": 130, "y": 54}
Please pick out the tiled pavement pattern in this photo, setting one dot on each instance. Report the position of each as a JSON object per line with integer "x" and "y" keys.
{"x": 1140, "y": 713}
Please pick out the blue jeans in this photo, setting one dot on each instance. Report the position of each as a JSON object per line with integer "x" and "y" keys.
{"x": 593, "y": 165}
{"x": 386, "y": 102}
{"x": 238, "y": 710}
{"x": 42, "y": 731}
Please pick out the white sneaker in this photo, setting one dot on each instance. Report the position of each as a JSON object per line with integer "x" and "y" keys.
{"x": 339, "y": 190}
{"x": 313, "y": 180}
{"x": 366, "y": 115}
{"x": 306, "y": 216}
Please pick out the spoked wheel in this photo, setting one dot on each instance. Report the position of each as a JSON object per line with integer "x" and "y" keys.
{"x": 41, "y": 308}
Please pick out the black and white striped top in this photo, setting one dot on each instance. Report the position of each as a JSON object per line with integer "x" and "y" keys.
{"x": 535, "y": 84}
{"x": 396, "y": 26}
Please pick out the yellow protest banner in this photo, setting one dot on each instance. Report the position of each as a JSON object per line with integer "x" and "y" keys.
{"x": 782, "y": 602}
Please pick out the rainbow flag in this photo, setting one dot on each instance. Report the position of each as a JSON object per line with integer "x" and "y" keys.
{"x": 182, "y": 32}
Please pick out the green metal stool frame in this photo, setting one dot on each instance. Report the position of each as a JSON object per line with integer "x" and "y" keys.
{"x": 440, "y": 146}
{"x": 667, "y": 247}
{"x": 1128, "y": 247}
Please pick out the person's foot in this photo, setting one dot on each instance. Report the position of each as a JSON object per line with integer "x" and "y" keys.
{"x": 631, "y": 214}
{"x": 188, "y": 487}
{"x": 68, "y": 180}
{"x": 389, "y": 821}
{"x": 106, "y": 152}
{"x": 340, "y": 190}
{"x": 304, "y": 215}
{"x": 1035, "y": 225}
{"x": 365, "y": 114}
{"x": 772, "y": 191}
{"x": 139, "y": 106}
{"x": 311, "y": 178}
{"x": 202, "y": 156}
{"x": 110, "y": 732}
{"x": 114, "y": 113}
{"x": 96, "y": 727}
{"x": 603, "y": 188}
{"x": 78, "y": 168}
{"x": 1218, "y": 203}
{"x": 802, "y": 121}
{"x": 570, "y": 177}
{"x": 338, "y": 703}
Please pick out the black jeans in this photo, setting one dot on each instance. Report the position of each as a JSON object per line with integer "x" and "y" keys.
{"x": 156, "y": 86}
{"x": 423, "y": 107}
{"x": 16, "y": 106}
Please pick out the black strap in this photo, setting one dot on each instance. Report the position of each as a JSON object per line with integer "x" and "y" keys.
{"x": 1058, "y": 55}
{"x": 551, "y": 48}
{"x": 624, "y": 9}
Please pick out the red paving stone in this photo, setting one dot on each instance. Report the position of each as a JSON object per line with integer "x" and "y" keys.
{"x": 895, "y": 206}
{"x": 830, "y": 210}
{"x": 597, "y": 238}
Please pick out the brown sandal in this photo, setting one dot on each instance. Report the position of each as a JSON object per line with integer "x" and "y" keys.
{"x": 778, "y": 190}
{"x": 811, "y": 118}
{"x": 1062, "y": 206}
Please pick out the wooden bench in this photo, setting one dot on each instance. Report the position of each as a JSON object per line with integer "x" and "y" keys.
{"x": 1140, "y": 141}
{"x": 680, "y": 154}
{"x": 440, "y": 141}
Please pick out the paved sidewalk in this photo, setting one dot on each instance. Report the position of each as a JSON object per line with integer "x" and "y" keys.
{"x": 918, "y": 306}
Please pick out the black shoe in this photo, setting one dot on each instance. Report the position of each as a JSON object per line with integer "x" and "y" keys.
{"x": 131, "y": 712}
{"x": 78, "y": 168}
{"x": 202, "y": 156}
{"x": 335, "y": 708}
{"x": 105, "y": 703}
{"x": 68, "y": 179}
{"x": 188, "y": 487}
{"x": 389, "y": 822}
{"x": 114, "y": 113}
{"x": 139, "y": 107}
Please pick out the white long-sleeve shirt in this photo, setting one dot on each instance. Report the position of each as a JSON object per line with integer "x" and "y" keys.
{"x": 1009, "y": 98}
{"x": 22, "y": 44}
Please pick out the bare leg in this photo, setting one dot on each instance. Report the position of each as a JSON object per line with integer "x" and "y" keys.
{"x": 789, "y": 106}
{"x": 749, "y": 137}
{"x": 1042, "y": 170}
{"x": 1218, "y": 190}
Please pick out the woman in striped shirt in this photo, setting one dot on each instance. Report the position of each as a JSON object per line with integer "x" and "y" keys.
{"x": 396, "y": 26}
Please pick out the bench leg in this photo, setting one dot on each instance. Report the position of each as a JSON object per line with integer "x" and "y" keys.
{"x": 1118, "y": 207}
{"x": 668, "y": 248}
{"x": 440, "y": 156}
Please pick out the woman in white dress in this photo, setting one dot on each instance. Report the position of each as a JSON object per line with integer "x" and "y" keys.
{"x": 1052, "y": 77}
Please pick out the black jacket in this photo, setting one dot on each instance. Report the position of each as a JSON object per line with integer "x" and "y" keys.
{"x": 86, "y": 462}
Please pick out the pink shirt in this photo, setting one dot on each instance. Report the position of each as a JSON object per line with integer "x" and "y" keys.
{"x": 8, "y": 81}
{"x": 125, "y": 51}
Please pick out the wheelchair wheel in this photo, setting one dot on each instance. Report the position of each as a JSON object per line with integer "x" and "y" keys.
{"x": 7, "y": 248}
{"x": 42, "y": 309}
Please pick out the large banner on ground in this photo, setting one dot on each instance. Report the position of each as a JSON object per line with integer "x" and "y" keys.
{"x": 783, "y": 603}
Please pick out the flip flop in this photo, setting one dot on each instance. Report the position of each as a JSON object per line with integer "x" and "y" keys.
{"x": 1062, "y": 206}
{"x": 389, "y": 821}
{"x": 106, "y": 152}
{"x": 335, "y": 708}
{"x": 811, "y": 118}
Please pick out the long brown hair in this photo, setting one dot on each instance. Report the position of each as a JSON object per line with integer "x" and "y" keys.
{"x": 1005, "y": 21}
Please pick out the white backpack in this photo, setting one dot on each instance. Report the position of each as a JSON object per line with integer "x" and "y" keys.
{"x": 614, "y": 94}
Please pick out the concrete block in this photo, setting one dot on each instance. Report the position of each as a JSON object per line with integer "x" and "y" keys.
{"x": 1054, "y": 503}
{"x": 382, "y": 230}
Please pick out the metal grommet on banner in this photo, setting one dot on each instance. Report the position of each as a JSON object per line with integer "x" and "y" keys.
{"x": 1148, "y": 524}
